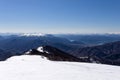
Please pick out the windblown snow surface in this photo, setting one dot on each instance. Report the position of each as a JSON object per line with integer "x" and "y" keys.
{"x": 36, "y": 68}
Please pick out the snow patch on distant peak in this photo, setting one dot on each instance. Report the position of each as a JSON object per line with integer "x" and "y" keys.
{"x": 32, "y": 34}
{"x": 40, "y": 49}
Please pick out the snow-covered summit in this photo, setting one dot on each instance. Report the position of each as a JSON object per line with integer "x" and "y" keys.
{"x": 35, "y": 68}
{"x": 32, "y": 34}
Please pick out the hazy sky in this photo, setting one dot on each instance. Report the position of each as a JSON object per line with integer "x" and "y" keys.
{"x": 60, "y": 16}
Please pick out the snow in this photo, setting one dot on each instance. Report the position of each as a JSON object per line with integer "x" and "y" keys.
{"x": 40, "y": 49}
{"x": 32, "y": 34}
{"x": 28, "y": 51}
{"x": 28, "y": 67}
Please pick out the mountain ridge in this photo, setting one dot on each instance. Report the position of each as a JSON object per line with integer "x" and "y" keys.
{"x": 108, "y": 53}
{"x": 53, "y": 54}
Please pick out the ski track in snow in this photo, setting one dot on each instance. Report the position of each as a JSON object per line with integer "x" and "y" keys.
{"x": 35, "y": 68}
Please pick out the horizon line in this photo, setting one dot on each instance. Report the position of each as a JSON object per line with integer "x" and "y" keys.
{"x": 57, "y": 33}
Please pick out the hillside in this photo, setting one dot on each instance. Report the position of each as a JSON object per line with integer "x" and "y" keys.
{"x": 107, "y": 54}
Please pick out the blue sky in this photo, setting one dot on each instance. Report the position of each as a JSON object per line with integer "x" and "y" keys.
{"x": 60, "y": 16}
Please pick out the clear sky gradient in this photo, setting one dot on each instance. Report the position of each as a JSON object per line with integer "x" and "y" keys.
{"x": 60, "y": 16}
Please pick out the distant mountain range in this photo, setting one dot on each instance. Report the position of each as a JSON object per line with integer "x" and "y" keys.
{"x": 21, "y": 43}
{"x": 91, "y": 39}
{"x": 86, "y": 48}
{"x": 108, "y": 53}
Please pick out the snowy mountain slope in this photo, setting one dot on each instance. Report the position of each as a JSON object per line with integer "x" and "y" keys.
{"x": 32, "y": 34}
{"x": 35, "y": 68}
